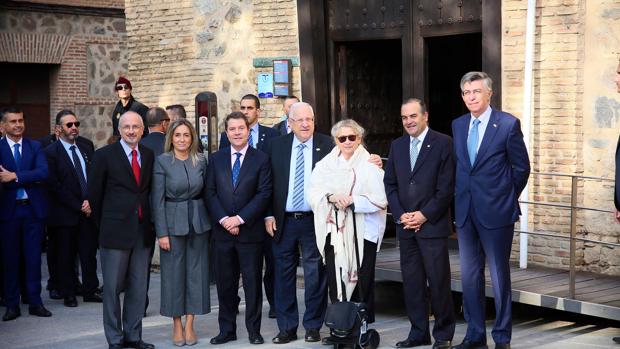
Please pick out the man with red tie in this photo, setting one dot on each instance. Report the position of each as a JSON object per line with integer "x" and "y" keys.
{"x": 118, "y": 192}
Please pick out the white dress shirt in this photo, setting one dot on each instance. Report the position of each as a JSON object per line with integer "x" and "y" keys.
{"x": 67, "y": 147}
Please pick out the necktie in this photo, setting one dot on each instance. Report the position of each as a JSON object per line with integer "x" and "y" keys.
{"x": 235, "y": 170}
{"x": 472, "y": 142}
{"x": 413, "y": 152}
{"x": 21, "y": 193}
{"x": 251, "y": 139}
{"x": 298, "y": 186}
{"x": 80, "y": 172}
{"x": 136, "y": 173}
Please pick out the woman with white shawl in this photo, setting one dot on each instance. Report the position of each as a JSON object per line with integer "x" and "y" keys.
{"x": 343, "y": 185}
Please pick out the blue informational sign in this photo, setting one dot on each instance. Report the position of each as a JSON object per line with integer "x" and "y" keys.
{"x": 265, "y": 85}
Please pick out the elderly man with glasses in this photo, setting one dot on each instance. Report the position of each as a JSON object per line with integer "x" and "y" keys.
{"x": 126, "y": 102}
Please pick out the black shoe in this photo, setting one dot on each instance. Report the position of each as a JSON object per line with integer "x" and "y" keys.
{"x": 616, "y": 339}
{"x": 284, "y": 337}
{"x": 467, "y": 344}
{"x": 11, "y": 314}
{"x": 223, "y": 338}
{"x": 71, "y": 302}
{"x": 502, "y": 346}
{"x": 55, "y": 294}
{"x": 138, "y": 345}
{"x": 442, "y": 345}
{"x": 272, "y": 313}
{"x": 94, "y": 298}
{"x": 256, "y": 338}
{"x": 39, "y": 310}
{"x": 410, "y": 343}
{"x": 312, "y": 335}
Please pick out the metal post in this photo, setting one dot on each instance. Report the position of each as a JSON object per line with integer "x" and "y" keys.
{"x": 573, "y": 233}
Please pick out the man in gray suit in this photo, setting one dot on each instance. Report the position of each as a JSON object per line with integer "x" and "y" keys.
{"x": 158, "y": 122}
{"x": 118, "y": 192}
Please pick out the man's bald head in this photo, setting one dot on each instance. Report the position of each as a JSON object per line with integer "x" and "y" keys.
{"x": 131, "y": 127}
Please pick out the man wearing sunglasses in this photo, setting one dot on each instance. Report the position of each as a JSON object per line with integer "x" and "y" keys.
{"x": 126, "y": 103}
{"x": 72, "y": 229}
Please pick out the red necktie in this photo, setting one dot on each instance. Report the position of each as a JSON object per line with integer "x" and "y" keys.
{"x": 136, "y": 173}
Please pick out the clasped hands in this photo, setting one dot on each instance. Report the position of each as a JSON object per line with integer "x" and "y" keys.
{"x": 231, "y": 224}
{"x": 341, "y": 201}
{"x": 412, "y": 220}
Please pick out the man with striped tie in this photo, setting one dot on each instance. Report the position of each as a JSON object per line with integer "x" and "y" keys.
{"x": 237, "y": 190}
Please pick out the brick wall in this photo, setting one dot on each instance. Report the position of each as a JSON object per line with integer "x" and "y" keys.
{"x": 81, "y": 3}
{"x": 562, "y": 137}
{"x": 80, "y": 80}
{"x": 181, "y": 48}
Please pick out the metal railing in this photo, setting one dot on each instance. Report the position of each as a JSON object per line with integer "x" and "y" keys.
{"x": 572, "y": 237}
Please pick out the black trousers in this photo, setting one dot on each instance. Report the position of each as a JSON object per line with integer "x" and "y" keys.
{"x": 231, "y": 259}
{"x": 71, "y": 241}
{"x": 366, "y": 277}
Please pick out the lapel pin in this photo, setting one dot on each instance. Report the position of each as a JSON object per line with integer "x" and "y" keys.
{"x": 428, "y": 145}
{"x": 495, "y": 125}
{"x": 318, "y": 149}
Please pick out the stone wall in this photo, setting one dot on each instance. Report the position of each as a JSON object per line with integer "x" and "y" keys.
{"x": 88, "y": 52}
{"x": 181, "y": 48}
{"x": 574, "y": 123}
{"x": 81, "y": 3}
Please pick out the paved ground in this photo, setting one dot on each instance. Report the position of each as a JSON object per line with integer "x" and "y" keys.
{"x": 81, "y": 327}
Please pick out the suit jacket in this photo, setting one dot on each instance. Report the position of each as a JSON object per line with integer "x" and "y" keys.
{"x": 81, "y": 141}
{"x": 175, "y": 184}
{"x": 617, "y": 183}
{"x": 155, "y": 142}
{"x": 499, "y": 174}
{"x": 31, "y": 176}
{"x": 281, "y": 127}
{"x": 248, "y": 198}
{"x": 279, "y": 150}
{"x": 65, "y": 195}
{"x": 115, "y": 196}
{"x": 429, "y": 188}
{"x": 265, "y": 135}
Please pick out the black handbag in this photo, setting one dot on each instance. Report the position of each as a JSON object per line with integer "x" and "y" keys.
{"x": 347, "y": 321}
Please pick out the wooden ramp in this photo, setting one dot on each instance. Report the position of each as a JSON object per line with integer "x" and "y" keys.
{"x": 596, "y": 295}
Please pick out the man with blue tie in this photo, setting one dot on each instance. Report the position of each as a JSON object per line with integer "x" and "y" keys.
{"x": 23, "y": 171}
{"x": 419, "y": 183}
{"x": 74, "y": 232}
{"x": 492, "y": 168}
{"x": 237, "y": 191}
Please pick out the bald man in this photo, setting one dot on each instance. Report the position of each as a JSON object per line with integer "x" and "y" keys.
{"x": 118, "y": 189}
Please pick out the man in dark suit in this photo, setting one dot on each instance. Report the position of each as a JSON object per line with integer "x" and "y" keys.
{"x": 237, "y": 190}
{"x": 23, "y": 171}
{"x": 492, "y": 169}
{"x": 259, "y": 137}
{"x": 158, "y": 121}
{"x": 293, "y": 227}
{"x": 53, "y": 285}
{"x": 283, "y": 127}
{"x": 419, "y": 183}
{"x": 118, "y": 192}
{"x": 73, "y": 230}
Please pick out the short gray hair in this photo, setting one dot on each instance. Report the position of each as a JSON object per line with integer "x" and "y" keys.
{"x": 299, "y": 105}
{"x": 475, "y": 76}
{"x": 127, "y": 113}
{"x": 350, "y": 123}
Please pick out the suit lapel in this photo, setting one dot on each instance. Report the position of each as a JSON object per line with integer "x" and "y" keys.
{"x": 145, "y": 167}
{"x": 125, "y": 162}
{"x": 317, "y": 148}
{"x": 9, "y": 162}
{"x": 261, "y": 137}
{"x": 463, "y": 130}
{"x": 424, "y": 150}
{"x": 62, "y": 153}
{"x": 489, "y": 135}
{"x": 247, "y": 163}
{"x": 286, "y": 155}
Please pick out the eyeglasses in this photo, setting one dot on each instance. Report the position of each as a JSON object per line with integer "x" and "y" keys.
{"x": 343, "y": 139}
{"x": 122, "y": 87}
{"x": 469, "y": 92}
{"x": 70, "y": 124}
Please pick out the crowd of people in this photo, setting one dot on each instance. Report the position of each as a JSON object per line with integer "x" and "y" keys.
{"x": 251, "y": 209}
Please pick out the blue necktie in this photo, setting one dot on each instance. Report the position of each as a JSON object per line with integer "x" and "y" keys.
{"x": 235, "y": 170}
{"x": 251, "y": 139}
{"x": 80, "y": 172}
{"x": 413, "y": 152}
{"x": 472, "y": 142}
{"x": 298, "y": 186}
{"x": 21, "y": 193}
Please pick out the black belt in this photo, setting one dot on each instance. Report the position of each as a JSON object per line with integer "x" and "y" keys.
{"x": 22, "y": 202}
{"x": 299, "y": 215}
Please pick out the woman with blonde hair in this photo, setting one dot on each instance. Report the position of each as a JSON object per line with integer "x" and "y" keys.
{"x": 182, "y": 227}
{"x": 344, "y": 186}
